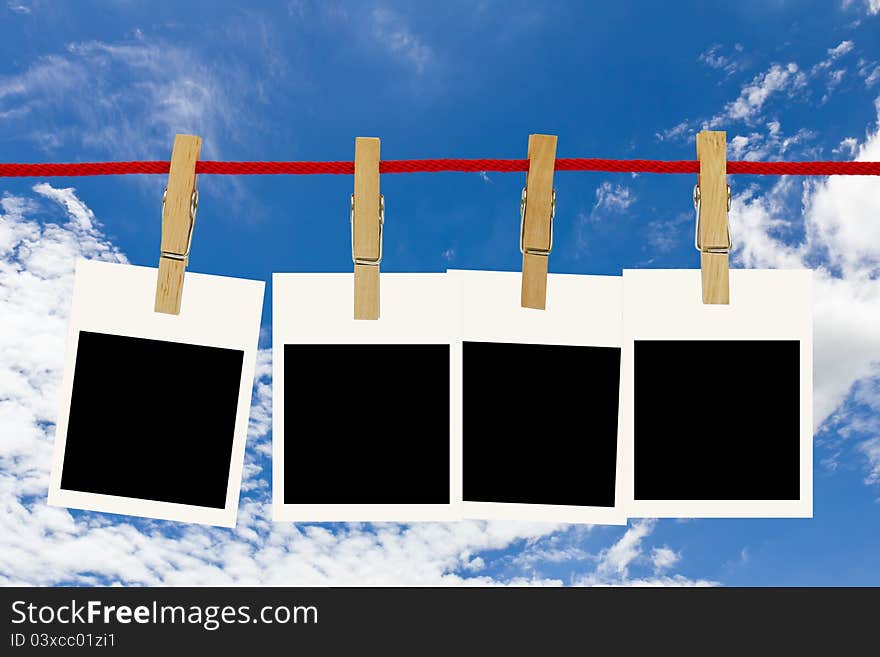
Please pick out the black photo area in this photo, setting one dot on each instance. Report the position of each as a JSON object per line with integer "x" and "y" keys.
{"x": 560, "y": 448}
{"x": 366, "y": 424}
{"x": 152, "y": 420}
{"x": 717, "y": 420}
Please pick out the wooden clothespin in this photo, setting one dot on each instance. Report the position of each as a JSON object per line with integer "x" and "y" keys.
{"x": 178, "y": 219}
{"x": 367, "y": 220}
{"x": 712, "y": 203}
{"x": 537, "y": 208}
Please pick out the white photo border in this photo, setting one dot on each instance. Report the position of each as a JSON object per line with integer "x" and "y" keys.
{"x": 318, "y": 309}
{"x": 216, "y": 311}
{"x": 581, "y": 311}
{"x": 765, "y": 304}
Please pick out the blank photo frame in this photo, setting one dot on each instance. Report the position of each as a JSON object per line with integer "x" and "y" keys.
{"x": 540, "y": 399}
{"x": 717, "y": 405}
{"x": 362, "y": 408}
{"x": 154, "y": 407}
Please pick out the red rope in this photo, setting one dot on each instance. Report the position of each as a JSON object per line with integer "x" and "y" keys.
{"x": 417, "y": 166}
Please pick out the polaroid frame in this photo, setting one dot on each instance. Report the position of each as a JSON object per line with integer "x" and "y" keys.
{"x": 665, "y": 304}
{"x": 317, "y": 309}
{"x": 216, "y": 311}
{"x": 581, "y": 311}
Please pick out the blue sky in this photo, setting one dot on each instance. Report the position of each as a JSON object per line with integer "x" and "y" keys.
{"x": 299, "y": 81}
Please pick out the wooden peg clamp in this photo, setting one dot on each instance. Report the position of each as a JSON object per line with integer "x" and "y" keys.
{"x": 179, "y": 207}
{"x": 712, "y": 203}
{"x": 537, "y": 208}
{"x": 367, "y": 220}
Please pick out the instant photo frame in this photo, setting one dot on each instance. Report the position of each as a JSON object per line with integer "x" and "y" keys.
{"x": 540, "y": 399}
{"x": 363, "y": 409}
{"x": 717, "y": 400}
{"x": 154, "y": 407}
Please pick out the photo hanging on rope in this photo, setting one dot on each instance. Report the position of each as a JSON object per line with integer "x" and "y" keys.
{"x": 362, "y": 408}
{"x": 540, "y": 399}
{"x": 154, "y": 407}
{"x": 717, "y": 401}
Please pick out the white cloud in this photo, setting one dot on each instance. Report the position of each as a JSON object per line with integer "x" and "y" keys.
{"x": 663, "y": 235}
{"x": 714, "y": 58}
{"x": 128, "y": 99}
{"x": 18, "y": 7}
{"x": 391, "y": 32}
{"x": 841, "y": 49}
{"x": 835, "y": 77}
{"x": 610, "y": 199}
{"x": 787, "y": 80}
{"x": 873, "y": 7}
{"x": 871, "y": 449}
{"x": 847, "y": 147}
{"x": 36, "y": 267}
{"x": 475, "y": 565}
{"x": 862, "y": 419}
{"x": 675, "y": 132}
{"x": 665, "y": 581}
{"x": 81, "y": 217}
{"x": 664, "y": 558}
{"x": 610, "y": 566}
{"x": 770, "y": 144}
{"x": 748, "y": 105}
{"x": 561, "y": 547}
{"x": 614, "y": 563}
{"x": 616, "y": 559}
{"x": 550, "y": 554}
{"x": 869, "y": 71}
{"x": 613, "y": 198}
{"x": 832, "y": 76}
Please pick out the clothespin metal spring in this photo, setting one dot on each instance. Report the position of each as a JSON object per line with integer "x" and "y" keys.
{"x": 522, "y": 226}
{"x": 193, "y": 208}
{"x": 697, "y": 245}
{"x": 368, "y": 261}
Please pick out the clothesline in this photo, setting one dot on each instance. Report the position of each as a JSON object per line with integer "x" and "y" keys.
{"x": 45, "y": 169}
